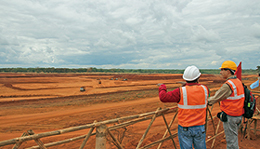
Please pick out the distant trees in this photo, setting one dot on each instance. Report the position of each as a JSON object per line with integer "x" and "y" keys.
{"x": 113, "y": 70}
{"x": 88, "y": 70}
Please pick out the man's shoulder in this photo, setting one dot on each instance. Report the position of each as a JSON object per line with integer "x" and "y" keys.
{"x": 197, "y": 85}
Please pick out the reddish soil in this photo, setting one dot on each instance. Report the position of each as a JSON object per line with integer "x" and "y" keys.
{"x": 48, "y": 102}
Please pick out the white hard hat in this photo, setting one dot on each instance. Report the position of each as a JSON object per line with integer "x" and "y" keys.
{"x": 191, "y": 73}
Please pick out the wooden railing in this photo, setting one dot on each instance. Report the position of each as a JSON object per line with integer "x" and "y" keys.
{"x": 101, "y": 131}
{"x": 104, "y": 128}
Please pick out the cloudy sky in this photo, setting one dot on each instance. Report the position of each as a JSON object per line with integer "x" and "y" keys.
{"x": 129, "y": 34}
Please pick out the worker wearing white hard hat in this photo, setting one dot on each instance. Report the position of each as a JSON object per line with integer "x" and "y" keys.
{"x": 192, "y": 103}
{"x": 191, "y": 73}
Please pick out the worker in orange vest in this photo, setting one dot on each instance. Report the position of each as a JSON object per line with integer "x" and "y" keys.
{"x": 231, "y": 98}
{"x": 192, "y": 103}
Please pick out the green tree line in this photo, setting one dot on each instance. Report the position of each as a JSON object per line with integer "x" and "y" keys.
{"x": 113, "y": 70}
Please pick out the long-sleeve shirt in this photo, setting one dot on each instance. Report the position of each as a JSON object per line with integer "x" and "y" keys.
{"x": 223, "y": 93}
{"x": 171, "y": 96}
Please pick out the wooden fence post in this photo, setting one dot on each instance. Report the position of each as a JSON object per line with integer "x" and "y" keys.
{"x": 159, "y": 146}
{"x": 216, "y": 132}
{"x": 101, "y": 137}
{"x": 168, "y": 128}
{"x": 117, "y": 143}
{"x": 248, "y": 129}
{"x": 144, "y": 135}
{"x": 38, "y": 141}
{"x": 18, "y": 144}
{"x": 86, "y": 138}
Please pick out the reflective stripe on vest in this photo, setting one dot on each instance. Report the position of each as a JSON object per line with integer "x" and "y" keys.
{"x": 236, "y": 97}
{"x": 185, "y": 100}
{"x": 233, "y": 105}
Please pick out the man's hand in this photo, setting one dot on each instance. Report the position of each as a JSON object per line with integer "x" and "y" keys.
{"x": 181, "y": 82}
{"x": 159, "y": 84}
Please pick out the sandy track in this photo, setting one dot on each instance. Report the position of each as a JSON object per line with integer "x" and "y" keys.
{"x": 14, "y": 119}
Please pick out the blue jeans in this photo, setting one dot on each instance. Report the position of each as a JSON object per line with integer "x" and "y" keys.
{"x": 194, "y": 135}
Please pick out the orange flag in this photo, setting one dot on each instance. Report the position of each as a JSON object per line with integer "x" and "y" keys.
{"x": 238, "y": 73}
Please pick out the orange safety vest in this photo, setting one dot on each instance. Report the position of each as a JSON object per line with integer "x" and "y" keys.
{"x": 192, "y": 105}
{"x": 234, "y": 104}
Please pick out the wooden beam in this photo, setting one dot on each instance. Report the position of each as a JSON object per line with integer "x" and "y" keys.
{"x": 166, "y": 131}
{"x": 71, "y": 129}
{"x": 62, "y": 142}
{"x": 101, "y": 137}
{"x": 215, "y": 136}
{"x": 148, "y": 128}
{"x": 255, "y": 91}
{"x": 169, "y": 130}
{"x": 216, "y": 131}
{"x": 87, "y": 137}
{"x": 18, "y": 144}
{"x": 115, "y": 140}
{"x": 158, "y": 141}
{"x": 38, "y": 141}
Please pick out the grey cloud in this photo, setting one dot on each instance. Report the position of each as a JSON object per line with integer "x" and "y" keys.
{"x": 201, "y": 34}
{"x": 100, "y": 58}
{"x": 3, "y": 41}
{"x": 255, "y": 30}
{"x": 145, "y": 34}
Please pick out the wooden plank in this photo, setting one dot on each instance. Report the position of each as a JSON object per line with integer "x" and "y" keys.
{"x": 248, "y": 129}
{"x": 158, "y": 141}
{"x": 256, "y": 117}
{"x": 121, "y": 125}
{"x": 101, "y": 137}
{"x": 216, "y": 131}
{"x": 169, "y": 130}
{"x": 140, "y": 117}
{"x": 258, "y": 110}
{"x": 38, "y": 141}
{"x": 166, "y": 131}
{"x": 128, "y": 123}
{"x": 62, "y": 142}
{"x": 71, "y": 129}
{"x": 148, "y": 128}
{"x": 87, "y": 137}
{"x": 116, "y": 141}
{"x": 255, "y": 92}
{"x": 19, "y": 143}
{"x": 212, "y": 119}
{"x": 215, "y": 136}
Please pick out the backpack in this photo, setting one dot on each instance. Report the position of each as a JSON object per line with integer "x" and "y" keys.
{"x": 249, "y": 108}
{"x": 249, "y": 103}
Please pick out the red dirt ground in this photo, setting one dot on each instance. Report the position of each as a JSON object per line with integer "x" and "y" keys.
{"x": 48, "y": 102}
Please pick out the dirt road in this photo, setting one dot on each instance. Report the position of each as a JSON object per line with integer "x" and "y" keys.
{"x": 34, "y": 103}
